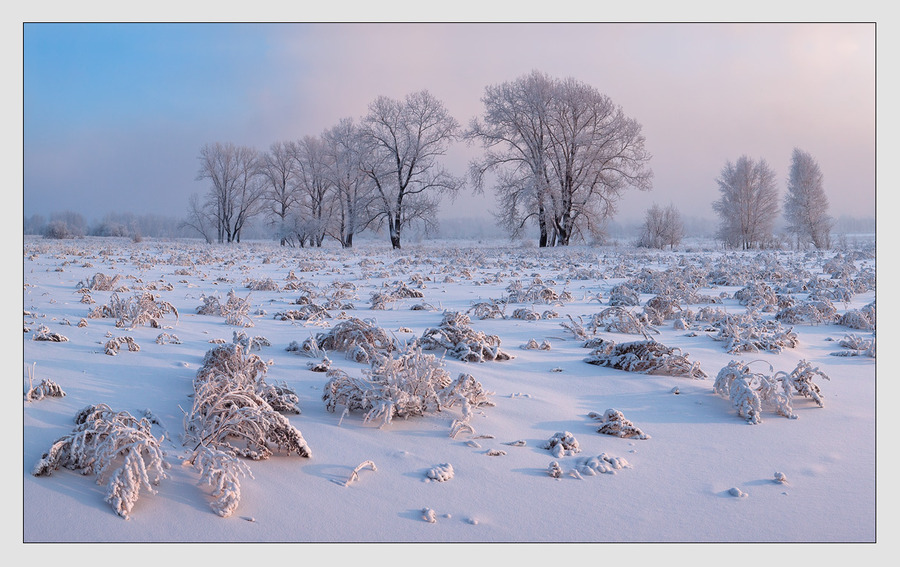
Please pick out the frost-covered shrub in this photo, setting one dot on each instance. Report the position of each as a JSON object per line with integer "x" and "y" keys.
{"x": 562, "y": 444}
{"x": 801, "y": 379}
{"x": 381, "y": 299}
{"x": 461, "y": 341}
{"x": 647, "y": 357}
{"x": 114, "y": 446}
{"x": 536, "y": 292}
{"x": 411, "y": 384}
{"x": 166, "y": 338}
{"x": 135, "y": 310}
{"x": 613, "y": 422}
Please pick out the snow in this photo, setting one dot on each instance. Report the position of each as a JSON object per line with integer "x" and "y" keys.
{"x": 812, "y": 479}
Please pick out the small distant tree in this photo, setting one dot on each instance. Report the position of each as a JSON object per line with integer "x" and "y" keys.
{"x": 237, "y": 188}
{"x": 748, "y": 204}
{"x": 314, "y": 189}
{"x": 279, "y": 172}
{"x": 662, "y": 227}
{"x": 200, "y": 218}
{"x": 805, "y": 203}
{"x": 67, "y": 224}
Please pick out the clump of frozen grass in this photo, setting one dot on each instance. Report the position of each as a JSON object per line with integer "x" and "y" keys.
{"x": 135, "y": 311}
{"x": 412, "y": 383}
{"x": 861, "y": 319}
{"x": 562, "y": 444}
{"x": 533, "y": 345}
{"x": 308, "y": 312}
{"x": 620, "y": 320}
{"x": 757, "y": 296}
{"x": 116, "y": 447}
{"x": 113, "y": 345}
{"x": 100, "y": 282}
{"x": 382, "y": 299}
{"x": 47, "y": 388}
{"x": 236, "y": 413}
{"x": 267, "y": 284}
{"x": 249, "y": 343}
{"x": 647, "y": 357}
{"x": 166, "y": 338}
{"x": 359, "y": 339}
{"x": 236, "y": 310}
{"x": 856, "y": 346}
{"x": 44, "y": 333}
{"x": 354, "y": 475}
{"x": 537, "y": 291}
{"x": 613, "y": 422}
{"x": 624, "y": 295}
{"x": 460, "y": 341}
{"x": 747, "y": 333}
{"x": 811, "y": 312}
{"x": 492, "y": 309}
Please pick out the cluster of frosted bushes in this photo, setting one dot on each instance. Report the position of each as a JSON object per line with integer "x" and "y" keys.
{"x": 459, "y": 340}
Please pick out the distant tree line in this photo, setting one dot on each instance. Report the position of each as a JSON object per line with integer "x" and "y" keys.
{"x": 69, "y": 224}
{"x": 558, "y": 152}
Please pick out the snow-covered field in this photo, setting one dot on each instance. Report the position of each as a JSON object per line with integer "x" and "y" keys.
{"x": 702, "y": 474}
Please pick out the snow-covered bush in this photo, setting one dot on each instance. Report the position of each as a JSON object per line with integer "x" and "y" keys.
{"x": 492, "y": 309}
{"x": 750, "y": 391}
{"x": 411, "y": 384}
{"x": 236, "y": 310}
{"x": 562, "y": 444}
{"x": 647, "y": 357}
{"x": 461, "y": 341}
{"x": 116, "y": 447}
{"x": 441, "y": 473}
{"x": 623, "y": 295}
{"x": 47, "y": 388}
{"x": 535, "y": 292}
{"x": 758, "y": 296}
{"x": 613, "y": 422}
{"x": 620, "y": 320}
{"x": 308, "y": 312}
{"x": 222, "y": 470}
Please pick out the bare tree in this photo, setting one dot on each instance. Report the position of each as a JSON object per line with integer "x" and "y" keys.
{"x": 278, "y": 169}
{"x": 314, "y": 188}
{"x": 405, "y": 140}
{"x": 748, "y": 204}
{"x": 354, "y": 191}
{"x": 237, "y": 188}
{"x": 805, "y": 203}
{"x": 200, "y": 218}
{"x": 513, "y": 133}
{"x": 662, "y": 227}
{"x": 563, "y": 154}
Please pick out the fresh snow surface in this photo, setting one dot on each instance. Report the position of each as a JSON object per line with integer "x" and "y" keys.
{"x": 703, "y": 474}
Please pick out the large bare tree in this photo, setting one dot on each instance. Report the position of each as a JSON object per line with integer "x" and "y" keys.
{"x": 805, "y": 203}
{"x": 237, "y": 189}
{"x": 748, "y": 205}
{"x": 563, "y": 153}
{"x": 406, "y": 140}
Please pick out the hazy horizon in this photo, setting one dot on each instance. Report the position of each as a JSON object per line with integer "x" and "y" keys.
{"x": 115, "y": 114}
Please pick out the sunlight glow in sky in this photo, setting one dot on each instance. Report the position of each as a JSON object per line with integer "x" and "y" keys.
{"x": 115, "y": 114}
